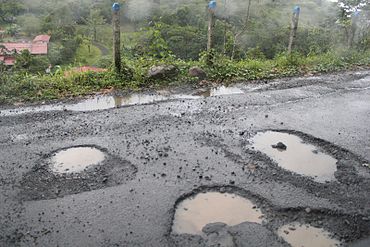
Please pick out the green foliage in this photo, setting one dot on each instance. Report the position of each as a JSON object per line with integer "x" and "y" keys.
{"x": 12, "y": 30}
{"x": 87, "y": 54}
{"x": 294, "y": 59}
{"x": 9, "y": 9}
{"x": 33, "y": 64}
{"x": 157, "y": 45}
{"x": 95, "y": 20}
{"x": 30, "y": 24}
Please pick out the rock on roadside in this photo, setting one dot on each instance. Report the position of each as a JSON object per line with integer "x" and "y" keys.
{"x": 197, "y": 72}
{"x": 162, "y": 71}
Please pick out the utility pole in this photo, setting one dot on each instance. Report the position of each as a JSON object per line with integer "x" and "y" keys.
{"x": 116, "y": 37}
{"x": 211, "y": 26}
{"x": 294, "y": 27}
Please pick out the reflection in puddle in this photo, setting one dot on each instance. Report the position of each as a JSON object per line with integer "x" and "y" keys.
{"x": 298, "y": 235}
{"x": 299, "y": 157}
{"x": 212, "y": 92}
{"x": 75, "y": 159}
{"x": 196, "y": 212}
{"x": 99, "y": 103}
{"x": 108, "y": 102}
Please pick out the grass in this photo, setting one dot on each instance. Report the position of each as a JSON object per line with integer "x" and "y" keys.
{"x": 25, "y": 87}
{"x": 84, "y": 56}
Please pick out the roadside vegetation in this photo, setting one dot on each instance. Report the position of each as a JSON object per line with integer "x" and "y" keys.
{"x": 249, "y": 45}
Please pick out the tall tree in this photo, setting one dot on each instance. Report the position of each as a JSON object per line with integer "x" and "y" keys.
{"x": 94, "y": 20}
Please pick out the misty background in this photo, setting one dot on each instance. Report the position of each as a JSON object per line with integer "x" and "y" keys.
{"x": 182, "y": 26}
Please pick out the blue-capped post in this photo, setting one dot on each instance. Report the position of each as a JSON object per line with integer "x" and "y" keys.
{"x": 211, "y": 25}
{"x": 116, "y": 37}
{"x": 294, "y": 27}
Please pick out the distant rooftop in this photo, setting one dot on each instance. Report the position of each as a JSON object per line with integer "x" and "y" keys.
{"x": 39, "y": 46}
{"x": 42, "y": 38}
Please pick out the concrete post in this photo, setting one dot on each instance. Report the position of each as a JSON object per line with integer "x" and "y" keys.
{"x": 294, "y": 27}
{"x": 116, "y": 37}
{"x": 211, "y": 27}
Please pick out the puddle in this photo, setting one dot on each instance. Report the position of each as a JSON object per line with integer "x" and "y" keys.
{"x": 108, "y": 102}
{"x": 212, "y": 92}
{"x": 196, "y": 212}
{"x": 298, "y": 235}
{"x": 76, "y": 159}
{"x": 103, "y": 102}
{"x": 99, "y": 103}
{"x": 298, "y": 157}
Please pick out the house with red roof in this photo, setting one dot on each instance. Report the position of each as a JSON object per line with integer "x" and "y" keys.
{"x": 38, "y": 46}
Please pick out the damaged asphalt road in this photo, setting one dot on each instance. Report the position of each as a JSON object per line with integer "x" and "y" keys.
{"x": 158, "y": 155}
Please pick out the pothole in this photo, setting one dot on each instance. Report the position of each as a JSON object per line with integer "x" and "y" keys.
{"x": 298, "y": 235}
{"x": 218, "y": 91}
{"x": 77, "y": 159}
{"x": 74, "y": 170}
{"x": 291, "y": 153}
{"x": 196, "y": 212}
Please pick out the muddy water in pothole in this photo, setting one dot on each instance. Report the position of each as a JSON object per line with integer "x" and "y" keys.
{"x": 196, "y": 212}
{"x": 76, "y": 159}
{"x": 298, "y": 157}
{"x": 298, "y": 235}
{"x": 218, "y": 91}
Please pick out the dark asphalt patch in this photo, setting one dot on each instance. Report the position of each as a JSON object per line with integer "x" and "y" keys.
{"x": 42, "y": 183}
{"x": 296, "y": 156}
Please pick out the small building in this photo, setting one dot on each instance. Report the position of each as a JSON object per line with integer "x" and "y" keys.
{"x": 38, "y": 46}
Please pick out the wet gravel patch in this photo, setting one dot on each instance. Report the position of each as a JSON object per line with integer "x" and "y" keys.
{"x": 42, "y": 183}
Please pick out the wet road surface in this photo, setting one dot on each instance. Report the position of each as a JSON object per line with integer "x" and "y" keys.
{"x": 155, "y": 158}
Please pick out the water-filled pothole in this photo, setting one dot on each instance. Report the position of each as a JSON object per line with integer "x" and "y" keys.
{"x": 74, "y": 170}
{"x": 297, "y": 156}
{"x": 75, "y": 159}
{"x": 298, "y": 235}
{"x": 218, "y": 91}
{"x": 196, "y": 212}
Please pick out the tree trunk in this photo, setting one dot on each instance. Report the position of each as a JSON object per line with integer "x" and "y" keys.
{"x": 244, "y": 28}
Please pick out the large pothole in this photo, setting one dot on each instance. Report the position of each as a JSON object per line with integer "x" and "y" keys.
{"x": 304, "y": 235}
{"x": 210, "y": 216}
{"x": 75, "y": 160}
{"x": 74, "y": 170}
{"x": 291, "y": 153}
{"x": 196, "y": 212}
